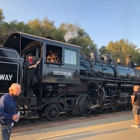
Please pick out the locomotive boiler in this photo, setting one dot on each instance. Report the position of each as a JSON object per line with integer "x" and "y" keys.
{"x": 67, "y": 81}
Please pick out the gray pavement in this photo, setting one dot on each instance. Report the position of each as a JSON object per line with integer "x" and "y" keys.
{"x": 115, "y": 126}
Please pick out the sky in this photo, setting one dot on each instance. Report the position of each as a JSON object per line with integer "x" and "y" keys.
{"x": 103, "y": 20}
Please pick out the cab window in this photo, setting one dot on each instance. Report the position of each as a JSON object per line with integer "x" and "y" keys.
{"x": 53, "y": 54}
{"x": 70, "y": 57}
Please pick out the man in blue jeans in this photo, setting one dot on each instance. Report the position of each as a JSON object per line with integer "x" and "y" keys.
{"x": 8, "y": 108}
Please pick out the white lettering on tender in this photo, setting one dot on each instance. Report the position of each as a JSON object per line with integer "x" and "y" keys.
{"x": 6, "y": 77}
{"x": 61, "y": 73}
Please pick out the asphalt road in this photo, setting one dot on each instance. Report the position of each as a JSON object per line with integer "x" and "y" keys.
{"x": 114, "y": 126}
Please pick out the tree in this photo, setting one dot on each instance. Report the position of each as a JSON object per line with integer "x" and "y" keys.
{"x": 58, "y": 34}
{"x": 86, "y": 44}
{"x": 103, "y": 50}
{"x": 77, "y": 36}
{"x": 123, "y": 47}
{"x": 2, "y": 29}
{"x": 66, "y": 32}
{"x": 42, "y": 28}
{"x": 70, "y": 30}
{"x": 1, "y": 16}
{"x": 15, "y": 26}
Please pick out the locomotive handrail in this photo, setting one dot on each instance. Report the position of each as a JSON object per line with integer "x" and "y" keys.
{"x": 109, "y": 79}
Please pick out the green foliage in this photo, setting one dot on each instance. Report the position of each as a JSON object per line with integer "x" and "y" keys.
{"x": 58, "y": 34}
{"x": 15, "y": 26}
{"x": 2, "y": 28}
{"x": 86, "y": 44}
{"x": 121, "y": 48}
{"x": 69, "y": 33}
{"x": 103, "y": 50}
{"x": 41, "y": 27}
{"x": 1, "y": 16}
{"x": 81, "y": 32}
{"x": 77, "y": 36}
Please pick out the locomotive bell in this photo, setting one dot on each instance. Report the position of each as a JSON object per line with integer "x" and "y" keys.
{"x": 106, "y": 58}
{"x": 94, "y": 56}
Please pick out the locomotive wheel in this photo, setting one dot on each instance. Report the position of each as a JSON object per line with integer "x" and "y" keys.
{"x": 52, "y": 112}
{"x": 82, "y": 105}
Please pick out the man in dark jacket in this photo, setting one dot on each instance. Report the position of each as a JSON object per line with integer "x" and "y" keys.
{"x": 30, "y": 77}
{"x": 8, "y": 108}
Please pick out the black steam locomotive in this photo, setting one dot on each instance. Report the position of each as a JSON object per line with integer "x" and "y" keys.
{"x": 67, "y": 81}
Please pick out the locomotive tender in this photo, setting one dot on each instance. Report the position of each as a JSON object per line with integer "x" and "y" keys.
{"x": 67, "y": 81}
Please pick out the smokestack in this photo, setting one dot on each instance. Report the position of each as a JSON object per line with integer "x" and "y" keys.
{"x": 128, "y": 61}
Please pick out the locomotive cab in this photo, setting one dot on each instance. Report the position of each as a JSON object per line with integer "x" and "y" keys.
{"x": 59, "y": 61}
{"x": 57, "y": 72}
{"x": 59, "y": 65}
{"x": 10, "y": 68}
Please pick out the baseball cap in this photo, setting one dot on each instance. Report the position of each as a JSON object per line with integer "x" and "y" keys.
{"x": 30, "y": 54}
